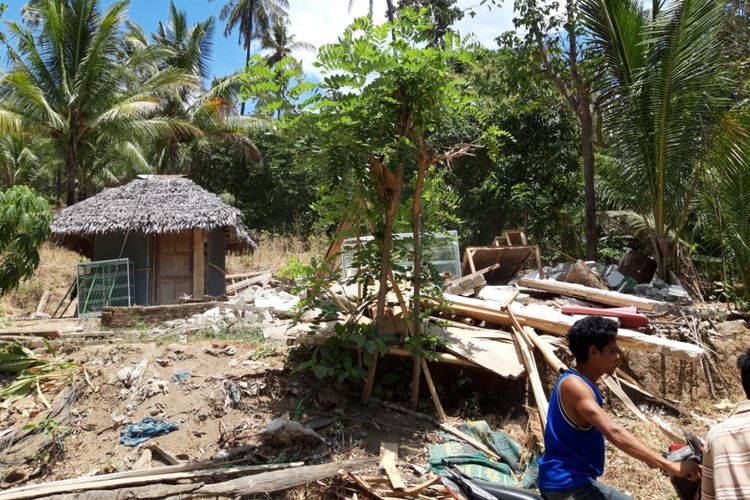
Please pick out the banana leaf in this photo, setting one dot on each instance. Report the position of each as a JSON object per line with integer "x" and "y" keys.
{"x": 14, "y": 358}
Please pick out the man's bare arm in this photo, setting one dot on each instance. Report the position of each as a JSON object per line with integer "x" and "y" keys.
{"x": 589, "y": 410}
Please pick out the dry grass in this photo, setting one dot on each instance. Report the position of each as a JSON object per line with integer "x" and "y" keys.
{"x": 275, "y": 251}
{"x": 56, "y": 272}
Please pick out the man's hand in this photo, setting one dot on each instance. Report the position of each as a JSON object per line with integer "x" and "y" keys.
{"x": 688, "y": 469}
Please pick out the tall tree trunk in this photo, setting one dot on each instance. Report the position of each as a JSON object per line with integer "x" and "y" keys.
{"x": 665, "y": 252}
{"x": 587, "y": 151}
{"x": 249, "y": 41}
{"x": 172, "y": 156}
{"x": 71, "y": 172}
{"x": 247, "y": 60}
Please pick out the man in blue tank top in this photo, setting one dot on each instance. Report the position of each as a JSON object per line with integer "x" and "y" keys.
{"x": 577, "y": 425}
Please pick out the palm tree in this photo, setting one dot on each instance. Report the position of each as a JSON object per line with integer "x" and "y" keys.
{"x": 663, "y": 96}
{"x": 209, "y": 111}
{"x": 253, "y": 18}
{"x": 281, "y": 44}
{"x": 72, "y": 80}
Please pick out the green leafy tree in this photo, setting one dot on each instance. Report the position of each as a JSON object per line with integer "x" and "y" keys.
{"x": 441, "y": 13}
{"x": 71, "y": 80}
{"x": 664, "y": 95}
{"x": 25, "y": 219}
{"x": 560, "y": 51}
{"x": 373, "y": 133}
{"x": 253, "y": 19}
{"x": 542, "y": 160}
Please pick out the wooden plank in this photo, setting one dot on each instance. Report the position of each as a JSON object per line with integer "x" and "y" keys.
{"x": 242, "y": 276}
{"x": 433, "y": 392}
{"x": 43, "y": 302}
{"x": 551, "y": 321}
{"x": 46, "y": 333}
{"x": 547, "y": 351}
{"x": 388, "y": 460}
{"x": 240, "y": 285}
{"x": 281, "y": 479}
{"x": 438, "y": 357}
{"x": 601, "y": 296}
{"x": 136, "y": 477}
{"x": 530, "y": 363}
{"x": 498, "y": 357}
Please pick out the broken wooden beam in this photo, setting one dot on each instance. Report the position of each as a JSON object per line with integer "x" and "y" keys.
{"x": 281, "y": 479}
{"x": 552, "y": 321}
{"x": 600, "y": 296}
{"x": 241, "y": 285}
{"x": 139, "y": 477}
{"x": 46, "y": 333}
{"x": 388, "y": 460}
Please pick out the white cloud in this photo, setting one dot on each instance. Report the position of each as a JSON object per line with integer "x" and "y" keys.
{"x": 321, "y": 21}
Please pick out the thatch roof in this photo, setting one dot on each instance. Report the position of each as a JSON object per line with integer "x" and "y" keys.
{"x": 149, "y": 205}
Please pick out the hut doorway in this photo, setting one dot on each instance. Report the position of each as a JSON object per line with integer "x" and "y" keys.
{"x": 174, "y": 260}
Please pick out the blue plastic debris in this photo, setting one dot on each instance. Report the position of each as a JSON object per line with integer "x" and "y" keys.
{"x": 180, "y": 377}
{"x": 144, "y": 430}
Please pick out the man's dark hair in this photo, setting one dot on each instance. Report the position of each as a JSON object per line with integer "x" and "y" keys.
{"x": 591, "y": 330}
{"x": 743, "y": 363}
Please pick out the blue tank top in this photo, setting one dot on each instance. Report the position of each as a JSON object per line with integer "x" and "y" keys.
{"x": 573, "y": 456}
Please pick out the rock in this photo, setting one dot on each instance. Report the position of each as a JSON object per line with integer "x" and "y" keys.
{"x": 732, "y": 328}
{"x": 659, "y": 283}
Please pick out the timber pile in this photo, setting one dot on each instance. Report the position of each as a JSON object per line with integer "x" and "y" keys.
{"x": 485, "y": 328}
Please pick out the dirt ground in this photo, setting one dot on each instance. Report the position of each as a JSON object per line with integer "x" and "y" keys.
{"x": 264, "y": 372}
{"x": 263, "y": 369}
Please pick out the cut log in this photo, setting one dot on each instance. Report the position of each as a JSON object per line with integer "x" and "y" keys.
{"x": 549, "y": 320}
{"x": 594, "y": 295}
{"x": 281, "y": 480}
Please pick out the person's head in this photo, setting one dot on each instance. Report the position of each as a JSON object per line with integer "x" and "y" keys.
{"x": 743, "y": 363}
{"x": 593, "y": 341}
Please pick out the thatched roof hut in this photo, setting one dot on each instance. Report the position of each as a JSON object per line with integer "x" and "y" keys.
{"x": 175, "y": 233}
{"x": 153, "y": 204}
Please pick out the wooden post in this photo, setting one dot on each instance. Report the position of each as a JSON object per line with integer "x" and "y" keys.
{"x": 433, "y": 391}
{"x": 199, "y": 261}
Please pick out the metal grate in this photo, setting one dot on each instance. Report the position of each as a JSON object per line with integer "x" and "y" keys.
{"x": 104, "y": 283}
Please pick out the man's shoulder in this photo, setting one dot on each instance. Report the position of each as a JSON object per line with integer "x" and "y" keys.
{"x": 739, "y": 423}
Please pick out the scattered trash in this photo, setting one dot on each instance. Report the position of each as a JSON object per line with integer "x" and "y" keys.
{"x": 181, "y": 376}
{"x": 152, "y": 387}
{"x": 283, "y": 431}
{"x": 215, "y": 350}
{"x": 144, "y": 430}
{"x": 231, "y": 395}
{"x": 130, "y": 375}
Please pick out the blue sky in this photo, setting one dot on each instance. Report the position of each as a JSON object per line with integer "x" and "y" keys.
{"x": 314, "y": 21}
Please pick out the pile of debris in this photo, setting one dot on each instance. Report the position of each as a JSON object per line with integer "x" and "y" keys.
{"x": 635, "y": 274}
